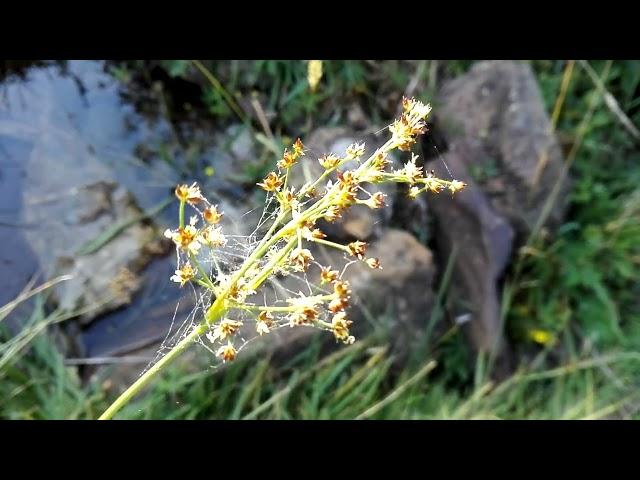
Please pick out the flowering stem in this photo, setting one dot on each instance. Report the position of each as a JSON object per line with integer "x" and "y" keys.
{"x": 331, "y": 244}
{"x": 202, "y": 271}
{"x": 139, "y": 384}
{"x": 283, "y": 237}
{"x": 218, "y": 311}
{"x": 272, "y": 264}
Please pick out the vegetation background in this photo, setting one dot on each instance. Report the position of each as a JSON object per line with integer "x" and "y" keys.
{"x": 571, "y": 301}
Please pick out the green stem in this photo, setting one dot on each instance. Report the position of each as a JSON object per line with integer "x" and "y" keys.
{"x": 331, "y": 244}
{"x": 175, "y": 352}
{"x": 130, "y": 392}
{"x": 202, "y": 271}
{"x": 272, "y": 264}
{"x": 181, "y": 214}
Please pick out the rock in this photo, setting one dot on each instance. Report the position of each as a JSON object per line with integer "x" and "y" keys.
{"x": 107, "y": 278}
{"x": 482, "y": 239}
{"x": 499, "y": 142}
{"x": 71, "y": 135}
{"x": 497, "y": 111}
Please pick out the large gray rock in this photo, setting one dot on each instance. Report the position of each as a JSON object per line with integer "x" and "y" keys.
{"x": 496, "y": 113}
{"x": 500, "y": 143}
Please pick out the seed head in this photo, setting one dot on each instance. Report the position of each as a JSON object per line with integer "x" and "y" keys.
{"x": 301, "y": 258}
{"x": 190, "y": 194}
{"x": 211, "y": 214}
{"x": 227, "y": 352}
{"x": 183, "y": 274}
{"x": 271, "y": 183}
{"x": 357, "y": 249}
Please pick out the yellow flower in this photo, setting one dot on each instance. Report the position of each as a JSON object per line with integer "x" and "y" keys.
{"x": 227, "y": 352}
{"x": 329, "y": 161}
{"x": 340, "y": 326}
{"x": 212, "y": 237}
{"x": 298, "y": 148}
{"x": 184, "y": 274}
{"x": 190, "y": 194}
{"x": 327, "y": 275}
{"x": 433, "y": 184}
{"x": 314, "y": 74}
{"x": 414, "y": 192}
{"x": 357, "y": 249}
{"x": 380, "y": 161}
{"x": 332, "y": 213}
{"x": 410, "y": 124}
{"x": 338, "y": 304}
{"x": 271, "y": 182}
{"x": 341, "y": 288}
{"x": 288, "y": 160}
{"x": 225, "y": 329}
{"x": 238, "y": 291}
{"x": 543, "y": 337}
{"x": 211, "y": 214}
{"x": 301, "y": 257}
{"x": 355, "y": 150}
{"x": 375, "y": 201}
{"x": 412, "y": 171}
{"x": 185, "y": 238}
{"x": 264, "y": 323}
{"x": 456, "y": 186}
{"x": 304, "y": 316}
{"x": 373, "y": 263}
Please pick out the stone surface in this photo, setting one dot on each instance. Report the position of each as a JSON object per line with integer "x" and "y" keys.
{"x": 107, "y": 278}
{"x": 498, "y": 141}
{"x": 482, "y": 240}
{"x": 496, "y": 113}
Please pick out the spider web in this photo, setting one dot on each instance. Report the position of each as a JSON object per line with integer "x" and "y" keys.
{"x": 274, "y": 291}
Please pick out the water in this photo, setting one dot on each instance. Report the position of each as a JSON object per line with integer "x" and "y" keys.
{"x": 61, "y": 128}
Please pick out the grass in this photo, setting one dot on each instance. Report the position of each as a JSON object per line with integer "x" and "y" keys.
{"x": 578, "y": 285}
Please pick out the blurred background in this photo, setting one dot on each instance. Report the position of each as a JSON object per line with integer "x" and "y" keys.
{"x": 517, "y": 298}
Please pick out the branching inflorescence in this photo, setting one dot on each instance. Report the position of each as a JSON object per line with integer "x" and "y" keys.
{"x": 282, "y": 249}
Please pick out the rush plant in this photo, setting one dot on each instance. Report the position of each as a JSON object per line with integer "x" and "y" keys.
{"x": 282, "y": 249}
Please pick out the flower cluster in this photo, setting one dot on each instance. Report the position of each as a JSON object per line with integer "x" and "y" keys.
{"x": 287, "y": 246}
{"x": 190, "y": 238}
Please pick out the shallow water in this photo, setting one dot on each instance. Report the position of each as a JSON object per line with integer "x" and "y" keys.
{"x": 66, "y": 126}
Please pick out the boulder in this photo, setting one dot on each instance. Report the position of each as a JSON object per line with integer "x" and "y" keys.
{"x": 499, "y": 141}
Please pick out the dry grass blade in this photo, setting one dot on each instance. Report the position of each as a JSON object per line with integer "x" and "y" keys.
{"x": 553, "y": 195}
{"x": 564, "y": 87}
{"x": 610, "y": 101}
{"x": 285, "y": 391}
{"x": 423, "y": 372}
{"x": 8, "y": 308}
